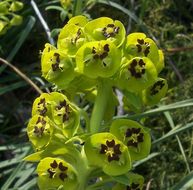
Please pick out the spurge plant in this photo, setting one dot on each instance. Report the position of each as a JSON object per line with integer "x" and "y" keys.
{"x": 78, "y": 143}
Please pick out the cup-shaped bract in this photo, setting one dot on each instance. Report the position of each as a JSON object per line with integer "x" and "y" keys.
{"x": 135, "y": 183}
{"x": 138, "y": 45}
{"x": 16, "y": 6}
{"x": 136, "y": 74}
{"x": 78, "y": 20}
{"x": 153, "y": 94}
{"x": 4, "y": 26}
{"x": 66, "y": 3}
{"x": 105, "y": 28}
{"x": 98, "y": 59}
{"x": 72, "y": 36}
{"x": 40, "y": 130}
{"x": 16, "y": 20}
{"x": 64, "y": 114}
{"x": 134, "y": 136}
{"x": 56, "y": 66}
{"x": 160, "y": 65}
{"x": 41, "y": 105}
{"x": 106, "y": 151}
{"x": 55, "y": 173}
{"x": 4, "y": 7}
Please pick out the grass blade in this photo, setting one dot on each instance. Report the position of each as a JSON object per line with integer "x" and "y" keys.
{"x": 173, "y": 132}
{"x": 173, "y": 106}
{"x": 185, "y": 183}
{"x": 23, "y": 36}
{"x": 12, "y": 176}
{"x": 172, "y": 125}
{"x": 11, "y": 87}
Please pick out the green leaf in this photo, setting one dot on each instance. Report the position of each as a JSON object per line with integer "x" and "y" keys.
{"x": 123, "y": 179}
{"x": 53, "y": 7}
{"x": 23, "y": 35}
{"x": 11, "y": 87}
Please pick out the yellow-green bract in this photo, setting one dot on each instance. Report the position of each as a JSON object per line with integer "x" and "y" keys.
{"x": 134, "y": 136}
{"x": 136, "y": 74}
{"x": 106, "y": 151}
{"x": 56, "y": 66}
{"x": 105, "y": 28}
{"x": 60, "y": 110}
{"x": 135, "y": 183}
{"x": 56, "y": 173}
{"x": 40, "y": 130}
{"x": 98, "y": 59}
{"x": 153, "y": 94}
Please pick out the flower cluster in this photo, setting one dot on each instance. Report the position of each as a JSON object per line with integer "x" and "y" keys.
{"x": 90, "y": 60}
{"x": 8, "y": 14}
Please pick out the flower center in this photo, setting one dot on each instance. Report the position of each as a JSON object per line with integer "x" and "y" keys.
{"x": 57, "y": 170}
{"x": 40, "y": 128}
{"x": 42, "y": 107}
{"x": 157, "y": 87}
{"x": 111, "y": 149}
{"x": 110, "y": 30}
{"x": 137, "y": 68}
{"x": 63, "y": 110}
{"x": 143, "y": 47}
{"x": 100, "y": 53}
{"x": 56, "y": 62}
{"x": 134, "y": 136}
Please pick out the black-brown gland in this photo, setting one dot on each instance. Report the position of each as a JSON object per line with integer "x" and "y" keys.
{"x": 60, "y": 169}
{"x": 41, "y": 107}
{"x": 78, "y": 34}
{"x": 111, "y": 149}
{"x": 39, "y": 131}
{"x": 66, "y": 110}
{"x": 133, "y": 186}
{"x": 137, "y": 68}
{"x": 101, "y": 54}
{"x": 56, "y": 60}
{"x": 110, "y": 30}
{"x": 134, "y": 136}
{"x": 156, "y": 87}
{"x": 143, "y": 47}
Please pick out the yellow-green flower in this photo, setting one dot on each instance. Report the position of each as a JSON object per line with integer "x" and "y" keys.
{"x": 98, "y": 59}
{"x": 153, "y": 94}
{"x": 40, "y": 130}
{"x": 105, "y": 28}
{"x": 106, "y": 151}
{"x": 139, "y": 45}
{"x": 134, "y": 136}
{"x": 72, "y": 36}
{"x": 56, "y": 66}
{"x": 137, "y": 74}
{"x": 64, "y": 114}
{"x": 55, "y": 173}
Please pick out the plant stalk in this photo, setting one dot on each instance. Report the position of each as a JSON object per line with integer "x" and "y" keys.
{"x": 103, "y": 91}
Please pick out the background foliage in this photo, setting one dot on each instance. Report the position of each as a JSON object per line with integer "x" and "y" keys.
{"x": 168, "y": 22}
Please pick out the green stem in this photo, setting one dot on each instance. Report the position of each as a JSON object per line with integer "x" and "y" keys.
{"x": 77, "y": 8}
{"x": 103, "y": 91}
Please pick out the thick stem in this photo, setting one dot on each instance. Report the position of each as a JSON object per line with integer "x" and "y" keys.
{"x": 103, "y": 91}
